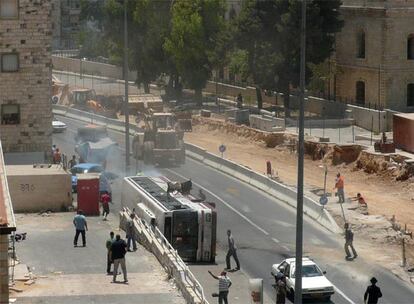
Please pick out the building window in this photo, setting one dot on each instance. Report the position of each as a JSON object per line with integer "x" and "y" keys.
{"x": 9, "y": 62}
{"x": 360, "y": 92}
{"x": 9, "y": 9}
{"x": 361, "y": 44}
{"x": 410, "y": 47}
{"x": 10, "y": 114}
{"x": 410, "y": 95}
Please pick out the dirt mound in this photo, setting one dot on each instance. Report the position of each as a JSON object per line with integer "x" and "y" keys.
{"x": 316, "y": 150}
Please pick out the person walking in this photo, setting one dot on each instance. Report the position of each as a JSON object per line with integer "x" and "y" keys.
{"x": 224, "y": 285}
{"x": 373, "y": 293}
{"x": 339, "y": 186}
{"x": 281, "y": 290}
{"x": 105, "y": 199}
{"x": 72, "y": 162}
{"x": 57, "y": 157}
{"x": 81, "y": 226}
{"x": 118, "y": 251}
{"x": 349, "y": 239}
{"x": 109, "y": 259}
{"x": 130, "y": 235}
{"x": 232, "y": 251}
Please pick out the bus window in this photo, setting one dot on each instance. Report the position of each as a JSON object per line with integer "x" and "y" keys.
{"x": 167, "y": 229}
{"x": 185, "y": 234}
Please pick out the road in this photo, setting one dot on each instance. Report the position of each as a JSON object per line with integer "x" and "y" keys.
{"x": 264, "y": 229}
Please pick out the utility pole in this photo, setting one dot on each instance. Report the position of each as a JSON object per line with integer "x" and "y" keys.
{"x": 299, "y": 209}
{"x": 126, "y": 105}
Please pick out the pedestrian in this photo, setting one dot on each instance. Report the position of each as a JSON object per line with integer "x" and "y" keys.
{"x": 373, "y": 293}
{"x": 224, "y": 285}
{"x": 232, "y": 251}
{"x": 57, "y": 157}
{"x": 105, "y": 200}
{"x": 281, "y": 290}
{"x": 130, "y": 235}
{"x": 349, "y": 239}
{"x": 72, "y": 162}
{"x": 81, "y": 226}
{"x": 361, "y": 200}
{"x": 118, "y": 251}
{"x": 239, "y": 101}
{"x": 109, "y": 259}
{"x": 339, "y": 185}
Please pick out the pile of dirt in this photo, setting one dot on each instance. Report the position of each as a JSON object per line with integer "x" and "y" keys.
{"x": 316, "y": 150}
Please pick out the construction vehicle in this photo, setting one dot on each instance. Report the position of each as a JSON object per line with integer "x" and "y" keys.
{"x": 162, "y": 140}
{"x": 93, "y": 144}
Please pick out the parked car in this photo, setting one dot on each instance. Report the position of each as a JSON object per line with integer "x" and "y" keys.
{"x": 314, "y": 282}
{"x": 58, "y": 126}
{"x": 104, "y": 177}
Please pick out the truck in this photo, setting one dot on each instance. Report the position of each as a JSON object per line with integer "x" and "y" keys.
{"x": 161, "y": 142}
{"x": 93, "y": 144}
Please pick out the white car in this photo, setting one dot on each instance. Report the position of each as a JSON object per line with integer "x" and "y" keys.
{"x": 58, "y": 126}
{"x": 314, "y": 283}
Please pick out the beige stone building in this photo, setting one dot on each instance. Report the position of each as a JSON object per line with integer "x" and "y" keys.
{"x": 375, "y": 54}
{"x": 65, "y": 23}
{"x": 25, "y": 76}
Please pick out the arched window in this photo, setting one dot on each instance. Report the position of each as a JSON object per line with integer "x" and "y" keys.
{"x": 410, "y": 95}
{"x": 410, "y": 47}
{"x": 361, "y": 44}
{"x": 360, "y": 92}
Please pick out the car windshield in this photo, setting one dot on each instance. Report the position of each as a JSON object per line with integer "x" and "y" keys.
{"x": 79, "y": 170}
{"x": 308, "y": 271}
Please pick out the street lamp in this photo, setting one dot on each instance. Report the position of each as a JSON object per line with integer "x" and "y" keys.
{"x": 299, "y": 210}
{"x": 126, "y": 105}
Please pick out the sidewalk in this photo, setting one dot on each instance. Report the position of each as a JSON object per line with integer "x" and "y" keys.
{"x": 78, "y": 275}
{"x": 239, "y": 291}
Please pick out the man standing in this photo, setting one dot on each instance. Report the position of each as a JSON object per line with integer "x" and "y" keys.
{"x": 349, "y": 239}
{"x": 339, "y": 185}
{"x": 105, "y": 199}
{"x": 118, "y": 251}
{"x": 109, "y": 260}
{"x": 281, "y": 290}
{"x": 224, "y": 285}
{"x": 79, "y": 221}
{"x": 72, "y": 162}
{"x": 130, "y": 235}
{"x": 373, "y": 293}
{"x": 232, "y": 251}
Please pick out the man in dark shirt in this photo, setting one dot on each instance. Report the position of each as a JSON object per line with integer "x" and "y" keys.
{"x": 118, "y": 250}
{"x": 232, "y": 251}
{"x": 373, "y": 293}
{"x": 349, "y": 242}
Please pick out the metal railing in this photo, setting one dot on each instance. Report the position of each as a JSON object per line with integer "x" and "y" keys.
{"x": 157, "y": 235}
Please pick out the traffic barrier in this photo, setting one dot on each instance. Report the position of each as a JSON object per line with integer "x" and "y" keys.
{"x": 154, "y": 241}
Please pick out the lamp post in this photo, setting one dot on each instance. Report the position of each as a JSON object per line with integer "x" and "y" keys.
{"x": 299, "y": 210}
{"x": 126, "y": 105}
{"x": 80, "y": 63}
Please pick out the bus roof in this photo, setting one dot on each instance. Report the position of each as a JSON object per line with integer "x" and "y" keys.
{"x": 156, "y": 187}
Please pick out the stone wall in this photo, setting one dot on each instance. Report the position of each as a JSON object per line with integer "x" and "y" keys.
{"x": 4, "y": 269}
{"x": 30, "y": 87}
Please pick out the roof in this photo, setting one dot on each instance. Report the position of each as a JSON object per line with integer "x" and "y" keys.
{"x": 293, "y": 260}
{"x": 7, "y": 220}
{"x": 406, "y": 115}
{"x": 86, "y": 165}
{"x": 41, "y": 169}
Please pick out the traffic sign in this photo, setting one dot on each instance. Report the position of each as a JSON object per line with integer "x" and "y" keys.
{"x": 323, "y": 200}
{"x": 222, "y": 148}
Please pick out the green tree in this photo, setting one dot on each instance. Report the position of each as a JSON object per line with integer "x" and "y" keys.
{"x": 269, "y": 31}
{"x": 195, "y": 40}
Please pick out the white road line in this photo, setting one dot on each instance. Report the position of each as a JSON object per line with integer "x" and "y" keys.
{"x": 285, "y": 247}
{"x": 343, "y": 295}
{"x": 275, "y": 240}
{"x": 224, "y": 202}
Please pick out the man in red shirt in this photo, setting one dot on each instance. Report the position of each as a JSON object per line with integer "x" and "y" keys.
{"x": 105, "y": 200}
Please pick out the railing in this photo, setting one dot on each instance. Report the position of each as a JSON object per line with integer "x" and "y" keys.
{"x": 156, "y": 234}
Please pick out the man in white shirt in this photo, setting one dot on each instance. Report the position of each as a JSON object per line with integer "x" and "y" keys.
{"x": 224, "y": 285}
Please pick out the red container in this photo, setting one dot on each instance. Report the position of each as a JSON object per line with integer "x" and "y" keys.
{"x": 403, "y": 131}
{"x": 88, "y": 193}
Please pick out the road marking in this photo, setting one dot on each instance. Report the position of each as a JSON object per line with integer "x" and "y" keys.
{"x": 343, "y": 294}
{"x": 225, "y": 203}
{"x": 275, "y": 240}
{"x": 285, "y": 247}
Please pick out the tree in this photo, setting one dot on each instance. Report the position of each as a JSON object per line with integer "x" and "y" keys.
{"x": 269, "y": 32}
{"x": 194, "y": 40}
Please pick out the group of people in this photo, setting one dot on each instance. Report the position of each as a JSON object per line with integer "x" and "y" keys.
{"x": 340, "y": 192}
{"x": 57, "y": 157}
{"x": 116, "y": 247}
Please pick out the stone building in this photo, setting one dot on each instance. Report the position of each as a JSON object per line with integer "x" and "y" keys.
{"x": 65, "y": 23}
{"x": 25, "y": 77}
{"x": 375, "y": 54}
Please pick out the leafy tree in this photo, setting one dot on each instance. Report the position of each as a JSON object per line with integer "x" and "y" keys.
{"x": 322, "y": 73}
{"x": 269, "y": 31}
{"x": 194, "y": 41}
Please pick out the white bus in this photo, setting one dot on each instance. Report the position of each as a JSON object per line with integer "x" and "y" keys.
{"x": 188, "y": 224}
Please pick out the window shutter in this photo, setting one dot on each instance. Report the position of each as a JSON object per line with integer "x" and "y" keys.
{"x": 9, "y": 63}
{"x": 8, "y": 9}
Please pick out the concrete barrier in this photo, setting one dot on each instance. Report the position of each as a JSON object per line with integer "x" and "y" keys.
{"x": 154, "y": 241}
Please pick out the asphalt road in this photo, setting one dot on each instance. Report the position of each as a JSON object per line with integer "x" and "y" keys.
{"x": 264, "y": 229}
